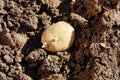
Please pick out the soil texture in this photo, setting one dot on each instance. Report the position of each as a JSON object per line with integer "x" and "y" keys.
{"x": 95, "y": 54}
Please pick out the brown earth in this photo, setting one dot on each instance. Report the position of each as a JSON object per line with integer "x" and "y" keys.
{"x": 95, "y": 54}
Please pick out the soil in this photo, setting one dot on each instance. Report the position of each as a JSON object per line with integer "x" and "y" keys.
{"x": 95, "y": 54}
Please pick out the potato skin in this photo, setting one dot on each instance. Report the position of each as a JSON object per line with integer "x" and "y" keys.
{"x": 58, "y": 37}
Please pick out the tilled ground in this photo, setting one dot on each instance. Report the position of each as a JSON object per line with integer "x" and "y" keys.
{"x": 95, "y": 54}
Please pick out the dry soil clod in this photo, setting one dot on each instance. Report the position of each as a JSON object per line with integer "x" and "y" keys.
{"x": 58, "y": 37}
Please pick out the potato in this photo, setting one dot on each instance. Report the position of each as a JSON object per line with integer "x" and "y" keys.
{"x": 58, "y": 37}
